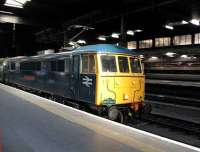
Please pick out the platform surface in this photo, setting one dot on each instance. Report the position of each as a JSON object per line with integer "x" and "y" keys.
{"x": 29, "y": 123}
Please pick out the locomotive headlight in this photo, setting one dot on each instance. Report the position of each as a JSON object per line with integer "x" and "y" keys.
{"x": 125, "y": 97}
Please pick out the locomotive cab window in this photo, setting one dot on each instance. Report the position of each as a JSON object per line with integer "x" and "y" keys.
{"x": 135, "y": 65}
{"x": 88, "y": 64}
{"x": 108, "y": 63}
{"x": 123, "y": 64}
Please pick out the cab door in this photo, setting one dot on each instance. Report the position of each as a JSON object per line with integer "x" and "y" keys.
{"x": 74, "y": 83}
{"x": 87, "y": 87}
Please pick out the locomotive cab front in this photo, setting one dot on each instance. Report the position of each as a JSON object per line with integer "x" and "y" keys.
{"x": 120, "y": 82}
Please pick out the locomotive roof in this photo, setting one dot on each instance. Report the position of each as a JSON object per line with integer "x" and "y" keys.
{"x": 98, "y": 48}
{"x": 105, "y": 48}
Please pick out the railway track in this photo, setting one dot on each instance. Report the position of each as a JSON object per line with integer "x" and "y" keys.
{"x": 191, "y": 102}
{"x": 171, "y": 128}
{"x": 173, "y": 90}
{"x": 172, "y": 122}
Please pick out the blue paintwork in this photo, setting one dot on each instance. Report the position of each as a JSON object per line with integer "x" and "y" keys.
{"x": 105, "y": 48}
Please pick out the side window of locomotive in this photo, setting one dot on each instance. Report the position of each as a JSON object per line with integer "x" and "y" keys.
{"x": 61, "y": 66}
{"x": 84, "y": 63}
{"x": 88, "y": 64}
{"x": 67, "y": 65}
{"x": 12, "y": 66}
{"x": 92, "y": 67}
{"x": 75, "y": 64}
{"x": 53, "y": 66}
{"x": 135, "y": 65}
{"x": 123, "y": 64}
{"x": 24, "y": 66}
{"x": 37, "y": 66}
{"x": 108, "y": 63}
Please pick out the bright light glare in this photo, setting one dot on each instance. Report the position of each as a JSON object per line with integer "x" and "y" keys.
{"x": 184, "y": 56}
{"x": 115, "y": 35}
{"x": 154, "y": 58}
{"x": 169, "y": 27}
{"x": 195, "y": 22}
{"x": 6, "y": 12}
{"x": 102, "y": 38}
{"x": 16, "y": 3}
{"x": 130, "y": 32}
{"x": 184, "y": 22}
{"x": 170, "y": 54}
{"x": 138, "y": 30}
{"x": 81, "y": 41}
{"x": 71, "y": 43}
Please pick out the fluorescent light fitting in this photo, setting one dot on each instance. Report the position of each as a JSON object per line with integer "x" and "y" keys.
{"x": 184, "y": 56}
{"x": 130, "y": 32}
{"x": 170, "y": 54}
{"x": 16, "y": 3}
{"x": 195, "y": 22}
{"x": 169, "y": 27}
{"x": 11, "y": 5}
{"x": 102, "y": 38}
{"x": 153, "y": 58}
{"x": 115, "y": 35}
{"x": 5, "y": 12}
{"x": 81, "y": 41}
{"x": 184, "y": 22}
{"x": 138, "y": 30}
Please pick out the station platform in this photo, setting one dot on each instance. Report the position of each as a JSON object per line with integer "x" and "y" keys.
{"x": 29, "y": 123}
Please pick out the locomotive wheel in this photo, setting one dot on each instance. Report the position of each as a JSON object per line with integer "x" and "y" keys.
{"x": 115, "y": 114}
{"x": 120, "y": 117}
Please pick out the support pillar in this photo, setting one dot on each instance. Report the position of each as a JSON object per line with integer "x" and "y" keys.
{"x": 123, "y": 38}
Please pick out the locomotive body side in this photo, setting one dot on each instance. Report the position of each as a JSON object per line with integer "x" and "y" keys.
{"x": 106, "y": 78}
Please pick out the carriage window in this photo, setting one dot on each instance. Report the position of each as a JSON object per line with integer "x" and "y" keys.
{"x": 12, "y": 66}
{"x": 135, "y": 65}
{"x": 84, "y": 63}
{"x": 37, "y": 66}
{"x": 108, "y": 63}
{"x": 30, "y": 66}
{"x": 25, "y": 66}
{"x": 123, "y": 64}
{"x": 60, "y": 66}
{"x": 92, "y": 64}
{"x": 67, "y": 65}
{"x": 53, "y": 65}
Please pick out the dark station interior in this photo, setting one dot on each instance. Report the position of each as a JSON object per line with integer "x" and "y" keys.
{"x": 165, "y": 34}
